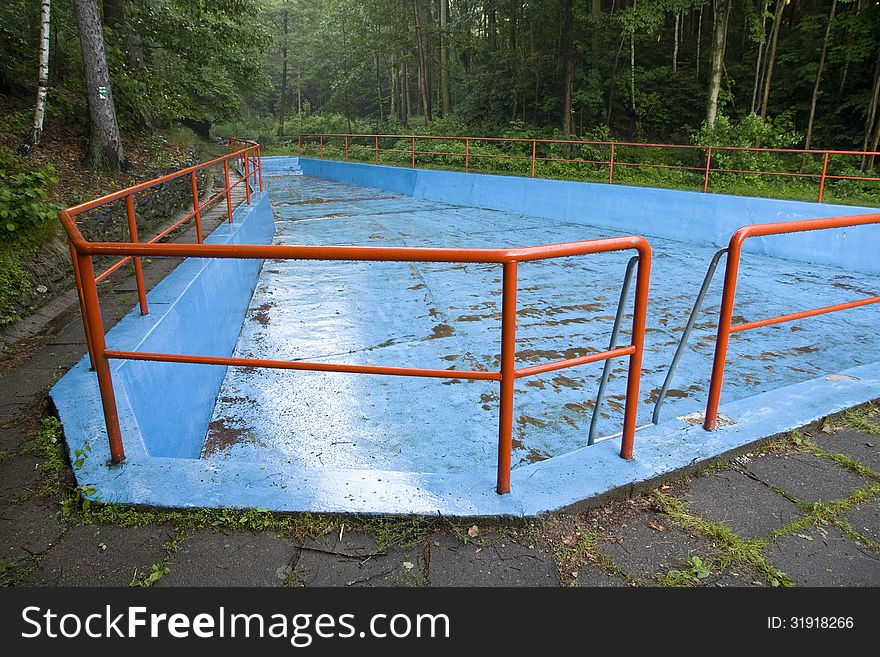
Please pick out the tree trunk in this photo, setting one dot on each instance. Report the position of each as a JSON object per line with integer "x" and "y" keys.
{"x": 632, "y": 65}
{"x": 818, "y": 82}
{"x": 757, "y": 84}
{"x": 566, "y": 52}
{"x": 720, "y": 9}
{"x": 407, "y": 97}
{"x": 872, "y": 111}
{"x": 771, "y": 56}
{"x": 36, "y": 132}
{"x": 282, "y": 104}
{"x": 379, "y": 89}
{"x": 444, "y": 57}
{"x": 675, "y": 47}
{"x": 299, "y": 99}
{"x": 699, "y": 40}
{"x": 105, "y": 144}
{"x": 613, "y": 80}
{"x": 424, "y": 89}
{"x": 595, "y": 43}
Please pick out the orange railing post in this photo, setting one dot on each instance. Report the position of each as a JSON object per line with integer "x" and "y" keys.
{"x": 413, "y": 149}
{"x": 299, "y": 145}
{"x": 824, "y": 173}
{"x": 321, "y": 142}
{"x": 77, "y": 277}
{"x": 706, "y": 178}
{"x": 138, "y": 268}
{"x": 508, "y": 376}
{"x": 346, "y": 148}
{"x": 247, "y": 180}
{"x": 98, "y": 348}
{"x": 467, "y": 154}
{"x": 377, "y": 149}
{"x": 534, "y": 149}
{"x": 196, "y": 210}
{"x": 639, "y": 325}
{"x": 228, "y": 190}
{"x": 260, "y": 166}
{"x": 611, "y": 166}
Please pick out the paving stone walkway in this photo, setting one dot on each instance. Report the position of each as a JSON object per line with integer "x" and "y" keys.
{"x": 802, "y": 510}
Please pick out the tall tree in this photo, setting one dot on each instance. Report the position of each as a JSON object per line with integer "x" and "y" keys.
{"x": 721, "y": 13}
{"x": 424, "y": 88}
{"x": 566, "y": 53}
{"x": 444, "y": 57}
{"x": 771, "y": 55}
{"x": 282, "y": 101}
{"x": 105, "y": 144}
{"x": 36, "y": 132}
{"x": 809, "y": 138}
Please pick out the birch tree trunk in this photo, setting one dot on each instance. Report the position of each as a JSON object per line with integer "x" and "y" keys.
{"x": 105, "y": 144}
{"x": 675, "y": 48}
{"x": 36, "y": 132}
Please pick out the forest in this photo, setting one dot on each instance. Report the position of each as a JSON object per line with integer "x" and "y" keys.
{"x": 101, "y": 93}
{"x": 800, "y": 73}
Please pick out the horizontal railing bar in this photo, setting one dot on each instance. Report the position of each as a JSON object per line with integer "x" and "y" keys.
{"x": 737, "y": 328}
{"x": 115, "y": 196}
{"x": 577, "y": 142}
{"x": 574, "y": 362}
{"x": 364, "y": 253}
{"x": 303, "y": 365}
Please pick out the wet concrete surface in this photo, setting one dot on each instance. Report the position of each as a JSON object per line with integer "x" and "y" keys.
{"x": 447, "y": 316}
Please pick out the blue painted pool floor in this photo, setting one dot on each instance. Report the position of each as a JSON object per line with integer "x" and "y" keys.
{"x": 448, "y": 316}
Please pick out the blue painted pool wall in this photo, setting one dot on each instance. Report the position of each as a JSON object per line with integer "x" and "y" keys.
{"x": 199, "y": 310}
{"x": 652, "y": 212}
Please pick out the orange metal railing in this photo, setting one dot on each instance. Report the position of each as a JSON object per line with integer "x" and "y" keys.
{"x": 734, "y": 254}
{"x": 344, "y": 144}
{"x": 248, "y": 156}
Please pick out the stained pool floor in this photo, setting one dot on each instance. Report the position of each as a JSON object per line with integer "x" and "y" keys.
{"x": 448, "y": 316}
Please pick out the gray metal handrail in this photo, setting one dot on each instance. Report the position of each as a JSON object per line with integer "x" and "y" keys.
{"x": 688, "y": 329}
{"x": 612, "y": 344}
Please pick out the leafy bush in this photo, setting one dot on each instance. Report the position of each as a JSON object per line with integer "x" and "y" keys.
{"x": 27, "y": 218}
{"x": 25, "y": 211}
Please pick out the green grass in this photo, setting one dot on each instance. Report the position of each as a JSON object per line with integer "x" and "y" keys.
{"x": 732, "y": 550}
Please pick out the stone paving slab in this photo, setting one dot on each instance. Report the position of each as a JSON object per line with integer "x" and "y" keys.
{"x": 805, "y": 476}
{"x": 825, "y": 557}
{"x": 493, "y": 560}
{"x": 866, "y": 519}
{"x": 643, "y": 553}
{"x": 746, "y": 506}
{"x": 18, "y": 477}
{"x": 854, "y": 444}
{"x": 101, "y": 555}
{"x": 28, "y": 529}
{"x": 592, "y": 575}
{"x": 357, "y": 560}
{"x": 238, "y": 558}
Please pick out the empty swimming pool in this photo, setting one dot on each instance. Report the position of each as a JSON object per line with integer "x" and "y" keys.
{"x": 333, "y": 441}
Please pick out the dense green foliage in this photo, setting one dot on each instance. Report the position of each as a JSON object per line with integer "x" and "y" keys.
{"x": 170, "y": 60}
{"x": 630, "y": 72}
{"x": 26, "y": 218}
